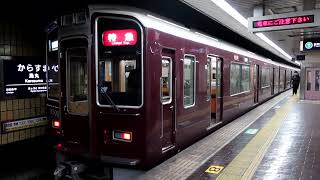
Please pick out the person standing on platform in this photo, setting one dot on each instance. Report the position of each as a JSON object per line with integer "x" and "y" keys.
{"x": 295, "y": 82}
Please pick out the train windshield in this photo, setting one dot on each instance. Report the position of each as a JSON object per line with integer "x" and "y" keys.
{"x": 119, "y": 62}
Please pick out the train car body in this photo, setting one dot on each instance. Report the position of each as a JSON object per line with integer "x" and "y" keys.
{"x": 136, "y": 88}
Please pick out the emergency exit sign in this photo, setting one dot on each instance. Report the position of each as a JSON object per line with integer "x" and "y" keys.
{"x": 296, "y": 20}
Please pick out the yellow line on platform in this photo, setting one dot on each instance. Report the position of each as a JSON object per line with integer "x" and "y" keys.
{"x": 244, "y": 165}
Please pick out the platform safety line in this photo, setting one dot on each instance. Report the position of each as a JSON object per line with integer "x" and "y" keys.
{"x": 244, "y": 165}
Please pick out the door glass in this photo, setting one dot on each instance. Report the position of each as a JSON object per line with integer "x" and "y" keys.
{"x": 211, "y": 77}
{"x": 218, "y": 78}
{"x": 120, "y": 78}
{"x": 189, "y": 81}
{"x": 317, "y": 79}
{"x": 77, "y": 80}
{"x": 208, "y": 75}
{"x": 166, "y": 80}
{"x": 308, "y": 80}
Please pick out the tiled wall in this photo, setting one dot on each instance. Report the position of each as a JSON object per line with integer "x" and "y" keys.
{"x": 20, "y": 38}
{"x": 22, "y": 135}
{"x": 17, "y": 109}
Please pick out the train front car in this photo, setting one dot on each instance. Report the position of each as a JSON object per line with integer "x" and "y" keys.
{"x": 120, "y": 86}
{"x": 105, "y": 94}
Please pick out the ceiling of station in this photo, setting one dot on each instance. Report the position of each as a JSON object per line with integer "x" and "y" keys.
{"x": 288, "y": 40}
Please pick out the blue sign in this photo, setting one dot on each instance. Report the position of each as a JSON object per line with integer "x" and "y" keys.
{"x": 311, "y": 44}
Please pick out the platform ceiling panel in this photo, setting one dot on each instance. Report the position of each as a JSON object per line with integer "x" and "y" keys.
{"x": 208, "y": 8}
{"x": 288, "y": 39}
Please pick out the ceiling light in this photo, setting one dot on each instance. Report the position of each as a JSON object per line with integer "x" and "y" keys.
{"x": 242, "y": 20}
{"x": 231, "y": 11}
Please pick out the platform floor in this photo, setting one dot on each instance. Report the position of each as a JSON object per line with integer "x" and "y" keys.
{"x": 278, "y": 140}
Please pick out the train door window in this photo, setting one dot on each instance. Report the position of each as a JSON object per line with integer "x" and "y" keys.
{"x": 208, "y": 75}
{"x": 273, "y": 82}
{"x": 189, "y": 72}
{"x": 308, "y": 80}
{"x": 317, "y": 79}
{"x": 166, "y": 77}
{"x": 211, "y": 76}
{"x": 77, "y": 75}
{"x": 290, "y": 78}
{"x": 265, "y": 77}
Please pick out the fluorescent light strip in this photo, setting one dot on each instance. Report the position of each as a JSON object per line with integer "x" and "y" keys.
{"x": 267, "y": 40}
{"x": 231, "y": 11}
{"x": 237, "y": 16}
{"x": 176, "y": 30}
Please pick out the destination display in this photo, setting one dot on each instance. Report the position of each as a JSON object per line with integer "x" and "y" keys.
{"x": 285, "y": 21}
{"x": 124, "y": 37}
{"x": 26, "y": 77}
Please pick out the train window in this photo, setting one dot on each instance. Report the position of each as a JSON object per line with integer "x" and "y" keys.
{"x": 166, "y": 80}
{"x": 245, "y": 78}
{"x": 120, "y": 79}
{"x": 288, "y": 78}
{"x": 77, "y": 80}
{"x": 189, "y": 81}
{"x": 309, "y": 80}
{"x": 265, "y": 77}
{"x": 53, "y": 92}
{"x": 239, "y": 78}
{"x": 119, "y": 44}
{"x": 235, "y": 78}
{"x": 317, "y": 79}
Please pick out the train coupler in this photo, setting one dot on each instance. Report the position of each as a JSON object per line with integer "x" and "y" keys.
{"x": 70, "y": 170}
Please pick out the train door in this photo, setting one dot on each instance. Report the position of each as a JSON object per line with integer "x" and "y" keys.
{"x": 214, "y": 76}
{"x": 74, "y": 97}
{"x": 312, "y": 91}
{"x": 290, "y": 78}
{"x": 256, "y": 82}
{"x": 53, "y": 85}
{"x": 285, "y": 79}
{"x": 273, "y": 83}
{"x": 167, "y": 99}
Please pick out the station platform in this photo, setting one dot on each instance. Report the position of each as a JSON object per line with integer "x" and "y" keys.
{"x": 277, "y": 140}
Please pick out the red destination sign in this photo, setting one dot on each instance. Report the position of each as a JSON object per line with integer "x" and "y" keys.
{"x": 124, "y": 37}
{"x": 283, "y": 21}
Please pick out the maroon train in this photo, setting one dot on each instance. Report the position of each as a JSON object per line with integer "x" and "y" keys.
{"x": 134, "y": 88}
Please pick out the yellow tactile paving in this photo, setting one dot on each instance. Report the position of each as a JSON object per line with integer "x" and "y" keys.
{"x": 244, "y": 165}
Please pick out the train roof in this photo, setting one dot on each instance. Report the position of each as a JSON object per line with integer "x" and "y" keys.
{"x": 149, "y": 20}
